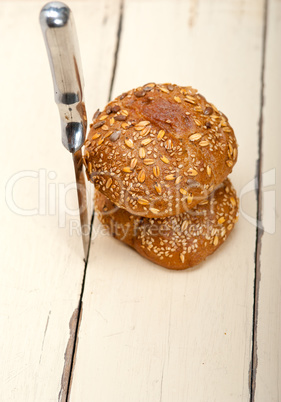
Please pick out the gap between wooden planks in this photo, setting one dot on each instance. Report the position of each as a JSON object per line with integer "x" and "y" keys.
{"x": 259, "y": 228}
{"x": 145, "y": 330}
{"x": 41, "y": 263}
{"x": 112, "y": 15}
{"x": 268, "y": 317}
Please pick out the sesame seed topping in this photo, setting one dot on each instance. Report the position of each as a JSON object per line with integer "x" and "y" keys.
{"x": 184, "y": 225}
{"x": 183, "y": 191}
{"x": 209, "y": 171}
{"x": 221, "y": 220}
{"x": 177, "y": 99}
{"x": 182, "y": 257}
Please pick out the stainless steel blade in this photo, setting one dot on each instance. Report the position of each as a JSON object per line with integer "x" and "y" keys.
{"x": 60, "y": 37}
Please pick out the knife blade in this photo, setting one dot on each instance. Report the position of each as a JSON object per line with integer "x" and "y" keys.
{"x": 59, "y": 32}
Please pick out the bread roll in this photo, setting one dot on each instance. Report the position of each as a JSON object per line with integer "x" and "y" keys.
{"x": 176, "y": 242}
{"x": 159, "y": 150}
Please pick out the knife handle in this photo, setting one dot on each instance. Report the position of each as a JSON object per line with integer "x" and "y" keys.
{"x": 60, "y": 37}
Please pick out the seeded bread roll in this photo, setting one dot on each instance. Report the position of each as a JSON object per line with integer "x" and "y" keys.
{"x": 159, "y": 150}
{"x": 175, "y": 242}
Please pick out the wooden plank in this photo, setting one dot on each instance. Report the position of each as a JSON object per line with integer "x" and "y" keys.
{"x": 151, "y": 334}
{"x": 268, "y": 377}
{"x": 41, "y": 254}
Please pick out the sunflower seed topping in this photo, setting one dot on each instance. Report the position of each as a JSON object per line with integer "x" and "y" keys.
{"x": 115, "y": 136}
{"x": 98, "y": 124}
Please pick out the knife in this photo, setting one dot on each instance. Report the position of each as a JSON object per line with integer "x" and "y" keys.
{"x": 61, "y": 42}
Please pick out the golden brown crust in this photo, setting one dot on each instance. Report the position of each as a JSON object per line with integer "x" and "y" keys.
{"x": 175, "y": 242}
{"x": 159, "y": 150}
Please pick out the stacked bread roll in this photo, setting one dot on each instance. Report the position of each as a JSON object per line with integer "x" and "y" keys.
{"x": 159, "y": 157}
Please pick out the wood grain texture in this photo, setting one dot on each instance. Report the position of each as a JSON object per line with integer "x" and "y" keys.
{"x": 41, "y": 260}
{"x": 268, "y": 377}
{"x": 149, "y": 334}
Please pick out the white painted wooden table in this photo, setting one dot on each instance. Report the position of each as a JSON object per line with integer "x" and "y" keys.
{"x": 122, "y": 329}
